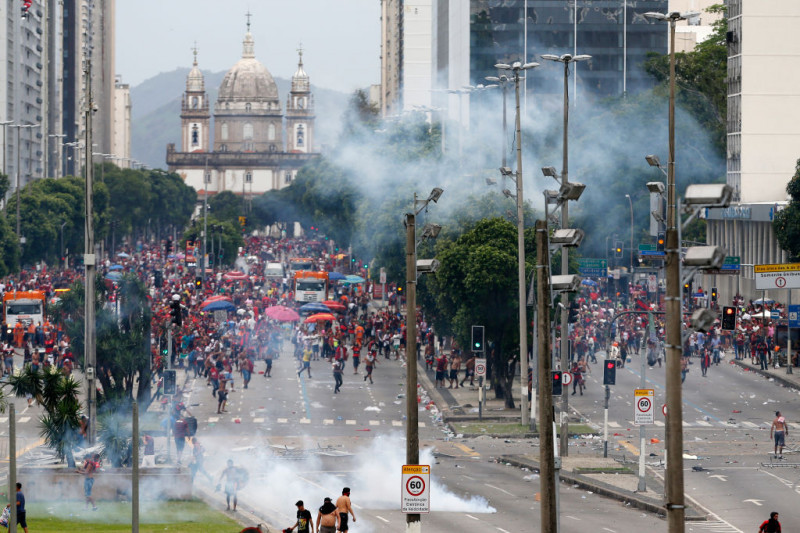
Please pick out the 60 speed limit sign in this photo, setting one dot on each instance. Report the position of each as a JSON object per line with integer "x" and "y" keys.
{"x": 480, "y": 367}
{"x": 416, "y": 491}
{"x": 643, "y": 411}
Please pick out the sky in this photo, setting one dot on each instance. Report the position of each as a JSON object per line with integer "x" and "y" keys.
{"x": 340, "y": 38}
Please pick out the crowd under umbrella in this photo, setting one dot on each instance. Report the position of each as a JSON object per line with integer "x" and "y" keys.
{"x": 334, "y": 305}
{"x": 321, "y": 317}
{"x": 314, "y": 307}
{"x": 116, "y": 267}
{"x": 235, "y": 275}
{"x": 114, "y": 276}
{"x": 281, "y": 313}
{"x": 352, "y": 278}
{"x": 123, "y": 255}
{"x": 336, "y": 276}
{"x": 220, "y": 305}
{"x": 589, "y": 282}
{"x": 217, "y": 298}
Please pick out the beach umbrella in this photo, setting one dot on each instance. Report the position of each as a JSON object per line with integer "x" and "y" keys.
{"x": 354, "y": 279}
{"x": 123, "y": 255}
{"x": 114, "y": 276}
{"x": 589, "y": 282}
{"x": 314, "y": 307}
{"x": 282, "y": 313}
{"x": 218, "y": 298}
{"x": 764, "y": 301}
{"x": 219, "y": 305}
{"x": 235, "y": 275}
{"x": 116, "y": 267}
{"x": 321, "y": 317}
{"x": 334, "y": 306}
{"x": 336, "y": 276}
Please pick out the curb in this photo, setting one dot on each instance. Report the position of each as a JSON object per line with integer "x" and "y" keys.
{"x": 780, "y": 379}
{"x": 604, "y": 489}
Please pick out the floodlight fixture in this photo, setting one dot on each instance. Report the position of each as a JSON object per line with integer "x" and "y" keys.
{"x": 551, "y": 172}
{"x": 508, "y": 194}
{"x": 568, "y": 237}
{"x": 653, "y": 160}
{"x": 502, "y": 66}
{"x": 565, "y": 283}
{"x": 491, "y": 181}
{"x": 704, "y": 257}
{"x": 656, "y": 186}
{"x": 528, "y": 66}
{"x": 708, "y": 195}
{"x": 506, "y": 171}
{"x": 549, "y": 57}
{"x": 427, "y": 266}
{"x": 551, "y": 197}
{"x": 436, "y": 193}
{"x": 581, "y": 57}
{"x": 703, "y": 319}
{"x": 571, "y": 191}
{"x": 430, "y": 231}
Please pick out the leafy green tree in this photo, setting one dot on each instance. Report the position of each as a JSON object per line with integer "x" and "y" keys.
{"x": 230, "y": 235}
{"x": 226, "y": 207}
{"x": 786, "y": 223}
{"x": 58, "y": 395}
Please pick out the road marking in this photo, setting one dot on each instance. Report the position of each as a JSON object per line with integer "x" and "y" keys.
{"x": 573, "y": 518}
{"x": 258, "y": 421}
{"x": 754, "y": 502}
{"x": 421, "y": 424}
{"x": 630, "y": 447}
{"x": 381, "y": 518}
{"x": 283, "y": 420}
{"x": 614, "y": 425}
{"x": 686, "y": 424}
{"x": 702, "y": 423}
{"x": 470, "y": 516}
{"x": 609, "y": 530}
{"x": 498, "y": 488}
{"x": 327, "y": 422}
{"x": 659, "y": 423}
{"x": 3, "y": 420}
{"x": 24, "y": 419}
{"x": 397, "y": 423}
{"x": 350, "y": 422}
{"x": 212, "y": 419}
{"x": 747, "y": 424}
{"x": 720, "y": 477}
{"x": 501, "y": 530}
{"x": 305, "y": 420}
{"x": 374, "y": 422}
{"x": 466, "y": 449}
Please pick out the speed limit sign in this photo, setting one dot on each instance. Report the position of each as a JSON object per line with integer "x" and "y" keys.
{"x": 643, "y": 406}
{"x": 480, "y": 367}
{"x": 416, "y": 489}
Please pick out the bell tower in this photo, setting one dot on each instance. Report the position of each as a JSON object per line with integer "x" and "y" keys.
{"x": 300, "y": 112}
{"x": 195, "y": 117}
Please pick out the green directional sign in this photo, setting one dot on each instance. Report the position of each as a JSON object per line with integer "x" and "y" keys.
{"x": 647, "y": 247}
{"x": 592, "y": 268}
{"x": 592, "y": 263}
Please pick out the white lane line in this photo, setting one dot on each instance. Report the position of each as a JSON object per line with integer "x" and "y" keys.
{"x": 258, "y": 421}
{"x": 24, "y": 419}
{"x": 3, "y": 420}
{"x": 283, "y": 421}
{"x": 702, "y": 423}
{"x": 397, "y": 423}
{"x": 350, "y": 422}
{"x": 501, "y": 530}
{"x": 572, "y": 517}
{"x": 381, "y": 518}
{"x": 747, "y": 424}
{"x": 213, "y": 419}
{"x": 305, "y": 420}
{"x": 470, "y": 516}
{"x": 498, "y": 488}
{"x": 374, "y": 422}
{"x": 327, "y": 422}
{"x": 421, "y": 424}
{"x": 610, "y": 424}
{"x": 686, "y": 424}
{"x": 609, "y": 530}
{"x": 659, "y": 423}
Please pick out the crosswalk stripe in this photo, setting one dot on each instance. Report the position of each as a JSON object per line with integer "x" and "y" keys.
{"x": 305, "y": 420}
{"x": 686, "y": 424}
{"x": 421, "y": 424}
{"x": 747, "y": 424}
{"x": 3, "y": 420}
{"x": 702, "y": 423}
{"x": 659, "y": 423}
{"x": 258, "y": 420}
{"x": 212, "y": 419}
{"x": 614, "y": 425}
{"x": 283, "y": 420}
{"x": 327, "y": 422}
{"x": 397, "y": 423}
{"x": 24, "y": 419}
{"x": 350, "y": 422}
{"x": 374, "y": 422}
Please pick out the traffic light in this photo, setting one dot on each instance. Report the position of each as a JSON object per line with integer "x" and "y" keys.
{"x": 618, "y": 248}
{"x": 168, "y": 247}
{"x": 714, "y": 294}
{"x": 198, "y": 282}
{"x": 573, "y": 312}
{"x": 176, "y": 313}
{"x": 158, "y": 279}
{"x": 729, "y": 318}
{"x": 687, "y": 289}
{"x": 170, "y": 382}
{"x": 661, "y": 240}
{"x": 556, "y": 382}
{"x": 610, "y": 372}
{"x": 366, "y": 265}
{"x": 242, "y": 221}
{"x": 478, "y": 333}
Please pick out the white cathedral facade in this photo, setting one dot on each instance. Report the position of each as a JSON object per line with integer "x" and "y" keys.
{"x": 256, "y": 146}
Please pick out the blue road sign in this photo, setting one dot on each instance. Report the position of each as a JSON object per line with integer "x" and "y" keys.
{"x": 794, "y": 316}
{"x": 652, "y": 252}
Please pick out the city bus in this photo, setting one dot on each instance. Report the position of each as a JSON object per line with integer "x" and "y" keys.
{"x": 310, "y": 287}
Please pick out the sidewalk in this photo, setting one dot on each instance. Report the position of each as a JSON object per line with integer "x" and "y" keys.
{"x": 585, "y": 467}
{"x": 777, "y": 374}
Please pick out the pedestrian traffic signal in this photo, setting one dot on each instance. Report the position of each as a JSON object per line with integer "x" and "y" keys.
{"x": 728, "y": 318}
{"x": 661, "y": 240}
{"x": 610, "y": 372}
{"x": 573, "y": 312}
{"x": 168, "y": 247}
{"x": 618, "y": 248}
{"x": 170, "y": 382}
{"x": 478, "y": 333}
{"x": 714, "y": 294}
{"x": 198, "y": 282}
{"x": 176, "y": 313}
{"x": 556, "y": 382}
{"x": 158, "y": 279}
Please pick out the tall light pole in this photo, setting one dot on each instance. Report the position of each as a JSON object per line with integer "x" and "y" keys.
{"x": 566, "y": 59}
{"x": 516, "y": 69}
{"x": 676, "y": 508}
{"x": 413, "y": 523}
{"x": 58, "y": 137}
{"x": 630, "y": 202}
{"x": 503, "y": 81}
{"x": 205, "y": 222}
{"x": 19, "y": 149}
{"x": 89, "y": 262}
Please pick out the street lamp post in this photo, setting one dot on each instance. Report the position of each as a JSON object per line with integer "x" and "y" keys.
{"x": 413, "y": 523}
{"x": 19, "y": 127}
{"x": 516, "y": 69}
{"x": 566, "y": 59}
{"x": 676, "y": 508}
{"x": 58, "y": 137}
{"x": 503, "y": 81}
{"x": 630, "y": 202}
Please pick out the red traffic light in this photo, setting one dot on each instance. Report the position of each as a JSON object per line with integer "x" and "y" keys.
{"x": 611, "y": 364}
{"x": 556, "y": 376}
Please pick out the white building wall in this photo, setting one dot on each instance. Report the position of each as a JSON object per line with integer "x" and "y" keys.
{"x": 121, "y": 147}
{"x": 458, "y": 60}
{"x": 417, "y": 83}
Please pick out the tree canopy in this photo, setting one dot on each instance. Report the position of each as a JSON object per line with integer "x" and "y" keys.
{"x": 786, "y": 222}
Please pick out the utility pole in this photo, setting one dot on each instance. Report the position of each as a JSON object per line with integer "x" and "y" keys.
{"x": 548, "y": 488}
{"x": 205, "y": 223}
{"x": 413, "y": 521}
{"x": 523, "y": 311}
{"x": 89, "y": 262}
{"x": 564, "y": 436}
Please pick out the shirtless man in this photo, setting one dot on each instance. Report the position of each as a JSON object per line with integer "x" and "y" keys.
{"x": 780, "y": 430}
{"x": 455, "y": 366}
{"x": 343, "y": 507}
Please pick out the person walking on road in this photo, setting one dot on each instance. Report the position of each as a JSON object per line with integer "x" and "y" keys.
{"x": 231, "y": 484}
{"x": 306, "y": 362}
{"x": 305, "y": 523}
{"x": 779, "y": 430}
{"x": 327, "y": 518}
{"x": 338, "y": 369}
{"x": 370, "y": 364}
{"x": 772, "y": 525}
{"x": 343, "y": 506}
{"x": 761, "y": 351}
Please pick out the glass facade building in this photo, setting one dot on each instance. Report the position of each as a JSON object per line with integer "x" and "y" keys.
{"x": 608, "y": 30}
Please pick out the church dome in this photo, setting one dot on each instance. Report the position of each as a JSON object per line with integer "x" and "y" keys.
{"x": 248, "y": 80}
{"x": 195, "y": 81}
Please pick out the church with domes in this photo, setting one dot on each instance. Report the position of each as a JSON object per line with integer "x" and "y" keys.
{"x": 256, "y": 146}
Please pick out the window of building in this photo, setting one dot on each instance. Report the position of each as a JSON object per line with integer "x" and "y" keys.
{"x": 247, "y": 146}
{"x": 224, "y": 132}
{"x": 273, "y": 148}
{"x": 223, "y": 147}
{"x": 247, "y": 131}
{"x": 271, "y": 132}
{"x": 194, "y": 102}
{"x": 301, "y": 134}
{"x": 287, "y": 177}
{"x": 248, "y": 177}
{"x": 208, "y": 177}
{"x": 248, "y": 106}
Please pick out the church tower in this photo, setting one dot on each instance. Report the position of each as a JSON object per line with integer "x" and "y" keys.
{"x": 300, "y": 112}
{"x": 195, "y": 118}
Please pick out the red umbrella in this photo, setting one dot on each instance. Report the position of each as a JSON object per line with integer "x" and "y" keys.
{"x": 217, "y": 298}
{"x": 321, "y": 317}
{"x": 333, "y": 305}
{"x": 282, "y": 313}
{"x": 235, "y": 275}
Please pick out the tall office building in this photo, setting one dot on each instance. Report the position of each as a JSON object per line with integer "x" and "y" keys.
{"x": 120, "y": 153}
